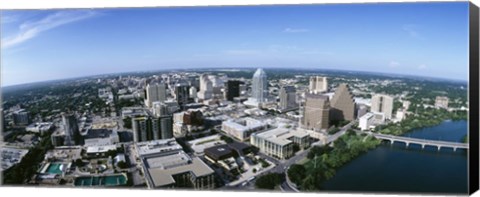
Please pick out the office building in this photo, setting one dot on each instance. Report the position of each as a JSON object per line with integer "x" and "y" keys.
{"x": 182, "y": 95}
{"x": 242, "y": 128}
{"x": 152, "y": 128}
{"x": 166, "y": 165}
{"x": 342, "y": 104}
{"x": 193, "y": 93}
{"x": 206, "y": 88}
{"x": 72, "y": 132}
{"x": 259, "y": 89}
{"x": 441, "y": 102}
{"x": 232, "y": 89}
{"x": 382, "y": 104}
{"x": 155, "y": 92}
{"x": 21, "y": 117}
{"x": 316, "y": 112}
{"x": 279, "y": 142}
{"x": 288, "y": 98}
{"x": 318, "y": 84}
{"x": 370, "y": 120}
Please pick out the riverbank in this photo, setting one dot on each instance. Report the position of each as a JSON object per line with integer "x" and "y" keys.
{"x": 422, "y": 119}
{"x": 323, "y": 162}
{"x": 399, "y": 169}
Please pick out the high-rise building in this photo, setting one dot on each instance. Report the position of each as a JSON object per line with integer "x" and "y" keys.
{"x": 343, "y": 104}
{"x": 259, "y": 89}
{"x": 2, "y": 121}
{"x": 72, "y": 132}
{"x": 152, "y": 128}
{"x": 232, "y": 89}
{"x": 382, "y": 104}
{"x": 318, "y": 84}
{"x": 206, "y": 88}
{"x": 166, "y": 127}
{"x": 193, "y": 93}
{"x": 259, "y": 86}
{"x": 441, "y": 102}
{"x": 288, "y": 98}
{"x": 182, "y": 95}
{"x": 316, "y": 112}
{"x": 21, "y": 117}
{"x": 141, "y": 129}
{"x": 155, "y": 92}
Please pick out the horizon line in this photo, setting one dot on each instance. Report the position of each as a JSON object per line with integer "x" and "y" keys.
{"x": 248, "y": 67}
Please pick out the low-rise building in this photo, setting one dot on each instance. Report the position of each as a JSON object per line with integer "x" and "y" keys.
{"x": 40, "y": 127}
{"x": 370, "y": 120}
{"x": 241, "y": 129}
{"x": 279, "y": 142}
{"x": 167, "y": 165}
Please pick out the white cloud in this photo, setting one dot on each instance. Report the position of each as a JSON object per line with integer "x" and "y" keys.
{"x": 31, "y": 29}
{"x": 393, "y": 64}
{"x": 422, "y": 66}
{"x": 293, "y": 30}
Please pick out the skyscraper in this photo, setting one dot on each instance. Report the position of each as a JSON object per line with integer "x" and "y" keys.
{"x": 288, "y": 98}
{"x": 72, "y": 132}
{"x": 260, "y": 86}
{"x": 343, "y": 104}
{"x": 232, "y": 89}
{"x": 193, "y": 93}
{"x": 316, "y": 112}
{"x": 318, "y": 84}
{"x": 182, "y": 93}
{"x": 206, "y": 88}
{"x": 155, "y": 92}
{"x": 382, "y": 104}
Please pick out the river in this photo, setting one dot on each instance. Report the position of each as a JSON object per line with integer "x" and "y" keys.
{"x": 395, "y": 168}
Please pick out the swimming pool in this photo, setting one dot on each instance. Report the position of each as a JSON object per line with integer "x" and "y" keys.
{"x": 55, "y": 168}
{"x": 114, "y": 180}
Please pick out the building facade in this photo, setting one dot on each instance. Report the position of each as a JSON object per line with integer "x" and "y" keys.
{"x": 343, "y": 104}
{"x": 152, "y": 128}
{"x": 232, "y": 89}
{"x": 21, "y": 117}
{"x": 206, "y": 88}
{"x": 279, "y": 142}
{"x": 259, "y": 86}
{"x": 441, "y": 102}
{"x": 72, "y": 132}
{"x": 155, "y": 92}
{"x": 288, "y": 98}
{"x": 382, "y": 103}
{"x": 318, "y": 84}
{"x": 316, "y": 112}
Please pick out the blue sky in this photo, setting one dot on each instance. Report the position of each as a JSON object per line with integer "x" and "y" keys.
{"x": 426, "y": 39}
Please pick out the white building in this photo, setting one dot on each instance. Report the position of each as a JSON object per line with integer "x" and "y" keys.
{"x": 155, "y": 92}
{"x": 259, "y": 89}
{"x": 206, "y": 88}
{"x": 382, "y": 103}
{"x": 318, "y": 84}
{"x": 370, "y": 120}
{"x": 279, "y": 142}
{"x": 242, "y": 128}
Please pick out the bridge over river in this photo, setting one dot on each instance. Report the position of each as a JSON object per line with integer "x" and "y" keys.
{"x": 422, "y": 142}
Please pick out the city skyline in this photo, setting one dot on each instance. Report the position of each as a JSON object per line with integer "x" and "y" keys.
{"x": 428, "y": 39}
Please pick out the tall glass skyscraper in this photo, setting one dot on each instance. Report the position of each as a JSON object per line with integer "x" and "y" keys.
{"x": 259, "y": 86}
